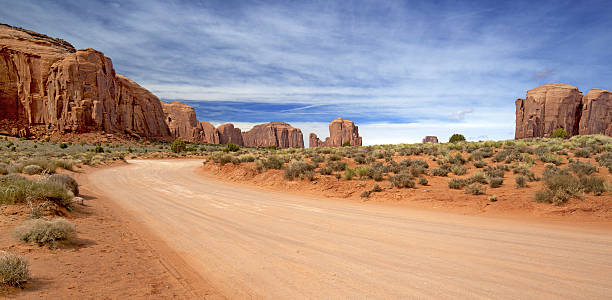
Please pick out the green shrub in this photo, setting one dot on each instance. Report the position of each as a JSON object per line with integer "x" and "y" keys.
{"x": 32, "y": 169}
{"x": 299, "y": 169}
{"x": 480, "y": 164}
{"x": 479, "y": 177}
{"x": 230, "y": 147}
{"x": 325, "y": 171}
{"x": 521, "y": 181}
{"x": 402, "y": 180}
{"x": 348, "y": 173}
{"x": 376, "y": 188}
{"x": 458, "y": 169}
{"x": 362, "y": 171}
{"x": 246, "y": 158}
{"x": 458, "y": 183}
{"x": 273, "y": 162}
{"x": 334, "y": 157}
{"x": 178, "y": 146}
{"x": 45, "y": 232}
{"x": 582, "y": 168}
{"x": 337, "y": 165}
{"x": 593, "y": 184}
{"x": 423, "y": 181}
{"x": 98, "y": 149}
{"x": 456, "y": 138}
{"x": 346, "y": 144}
{"x": 65, "y": 181}
{"x": 14, "y": 269}
{"x": 63, "y": 146}
{"x": 439, "y": 172}
{"x": 496, "y": 171}
{"x": 559, "y": 133}
{"x": 475, "y": 189}
{"x": 496, "y": 182}
{"x": 549, "y": 158}
{"x": 493, "y": 199}
{"x": 544, "y": 196}
{"x": 583, "y": 152}
{"x": 17, "y": 189}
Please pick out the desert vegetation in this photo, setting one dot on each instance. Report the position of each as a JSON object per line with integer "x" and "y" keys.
{"x": 560, "y": 168}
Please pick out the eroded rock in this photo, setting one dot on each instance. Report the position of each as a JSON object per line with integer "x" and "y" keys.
{"x": 340, "y": 132}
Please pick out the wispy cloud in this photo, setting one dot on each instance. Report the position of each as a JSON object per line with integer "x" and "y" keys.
{"x": 416, "y": 62}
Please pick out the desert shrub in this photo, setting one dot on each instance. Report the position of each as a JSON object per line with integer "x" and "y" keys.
{"x": 334, "y": 157}
{"x": 14, "y": 269}
{"x": 298, "y": 169}
{"x": 496, "y": 182}
{"x": 479, "y": 177}
{"x": 501, "y": 155}
{"x": 582, "y": 168}
{"x": 544, "y": 196}
{"x": 17, "y": 189}
{"x": 32, "y": 169}
{"x": 402, "y": 180}
{"x": 376, "y": 188}
{"x": 560, "y": 186}
{"x": 65, "y": 181}
{"x": 337, "y": 165}
{"x": 325, "y": 171}
{"x": 246, "y": 158}
{"x": 226, "y": 159}
{"x": 439, "y": 172}
{"x": 456, "y": 138}
{"x": 583, "y": 152}
{"x": 178, "y": 146}
{"x": 3, "y": 169}
{"x": 230, "y": 147}
{"x": 495, "y": 171}
{"x": 549, "y": 158}
{"x": 360, "y": 159}
{"x": 365, "y": 194}
{"x": 362, "y": 171}
{"x": 493, "y": 199}
{"x": 63, "y": 146}
{"x": 317, "y": 159}
{"x": 45, "y": 232}
{"x": 480, "y": 164}
{"x": 593, "y": 184}
{"x": 348, "y": 173}
{"x": 273, "y": 162}
{"x": 521, "y": 181}
{"x": 559, "y": 133}
{"x": 475, "y": 189}
{"x": 458, "y": 183}
{"x": 423, "y": 181}
{"x": 346, "y": 144}
{"x": 458, "y": 169}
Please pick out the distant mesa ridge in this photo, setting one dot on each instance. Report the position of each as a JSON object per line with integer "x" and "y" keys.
{"x": 47, "y": 86}
{"x": 552, "y": 106}
{"x": 430, "y": 139}
{"x": 341, "y": 132}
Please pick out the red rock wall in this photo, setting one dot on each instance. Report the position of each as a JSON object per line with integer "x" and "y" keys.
{"x": 279, "y": 134}
{"x": 596, "y": 115}
{"x": 340, "y": 131}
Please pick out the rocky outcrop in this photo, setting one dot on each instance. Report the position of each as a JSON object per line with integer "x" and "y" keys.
{"x": 596, "y": 115}
{"x": 430, "y": 139}
{"x": 278, "y": 134}
{"x": 554, "y": 106}
{"x": 340, "y": 132}
{"x": 229, "y": 134}
{"x": 45, "y": 82}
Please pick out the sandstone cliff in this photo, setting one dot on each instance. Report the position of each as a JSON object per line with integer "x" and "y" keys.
{"x": 430, "y": 139}
{"x": 279, "y": 134}
{"x": 46, "y": 83}
{"x": 553, "y": 106}
{"x": 340, "y": 132}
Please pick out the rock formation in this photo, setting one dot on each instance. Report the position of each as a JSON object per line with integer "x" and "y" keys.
{"x": 430, "y": 139}
{"x": 279, "y": 134}
{"x": 45, "y": 82}
{"x": 596, "y": 113}
{"x": 340, "y": 132}
{"x": 229, "y": 134}
{"x": 553, "y": 106}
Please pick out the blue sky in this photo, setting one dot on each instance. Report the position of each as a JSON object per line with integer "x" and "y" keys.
{"x": 400, "y": 69}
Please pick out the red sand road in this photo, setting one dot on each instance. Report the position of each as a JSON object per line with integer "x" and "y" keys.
{"x": 251, "y": 243}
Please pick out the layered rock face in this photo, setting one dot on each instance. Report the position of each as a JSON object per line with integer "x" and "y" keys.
{"x": 340, "y": 132}
{"x": 430, "y": 139}
{"x": 229, "y": 134}
{"x": 553, "y": 106}
{"x": 279, "y": 134}
{"x": 596, "y": 113}
{"x": 46, "y": 82}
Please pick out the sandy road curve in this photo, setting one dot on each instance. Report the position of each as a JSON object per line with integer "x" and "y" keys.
{"x": 251, "y": 243}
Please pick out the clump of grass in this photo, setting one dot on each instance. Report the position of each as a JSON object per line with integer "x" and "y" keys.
{"x": 582, "y": 168}
{"x": 439, "y": 172}
{"x": 593, "y": 184}
{"x": 402, "y": 180}
{"x": 273, "y": 162}
{"x": 365, "y": 194}
{"x": 493, "y": 199}
{"x": 325, "y": 171}
{"x": 337, "y": 165}
{"x": 32, "y": 169}
{"x": 458, "y": 169}
{"x": 479, "y": 177}
{"x": 14, "y": 269}
{"x": 475, "y": 189}
{"x": 44, "y": 232}
{"x": 423, "y": 181}
{"x": 17, "y": 189}
{"x": 300, "y": 169}
{"x": 458, "y": 183}
{"x": 65, "y": 181}
{"x": 376, "y": 188}
{"x": 550, "y": 158}
{"x": 521, "y": 181}
{"x": 348, "y": 173}
{"x": 480, "y": 164}
{"x": 496, "y": 182}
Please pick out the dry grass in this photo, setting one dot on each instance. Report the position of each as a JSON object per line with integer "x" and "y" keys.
{"x": 14, "y": 269}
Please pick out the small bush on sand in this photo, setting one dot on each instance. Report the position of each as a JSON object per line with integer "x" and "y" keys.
{"x": 458, "y": 183}
{"x": 402, "y": 180}
{"x": 550, "y": 158}
{"x": 349, "y": 173}
{"x": 423, "y": 181}
{"x": 593, "y": 184}
{"x": 365, "y": 194}
{"x": 583, "y": 152}
{"x": 298, "y": 169}
{"x": 439, "y": 172}
{"x": 44, "y": 232}
{"x": 582, "y": 168}
{"x": 475, "y": 189}
{"x": 14, "y": 269}
{"x": 32, "y": 169}
{"x": 17, "y": 189}
{"x": 325, "y": 171}
{"x": 480, "y": 164}
{"x": 376, "y": 188}
{"x": 273, "y": 162}
{"x": 521, "y": 181}
{"x": 496, "y": 182}
{"x": 479, "y": 177}
{"x": 458, "y": 170}
{"x": 230, "y": 147}
{"x": 65, "y": 181}
{"x": 337, "y": 165}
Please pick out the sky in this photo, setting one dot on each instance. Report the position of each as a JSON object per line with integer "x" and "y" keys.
{"x": 400, "y": 70}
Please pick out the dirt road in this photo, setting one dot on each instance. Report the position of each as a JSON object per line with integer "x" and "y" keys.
{"x": 252, "y": 243}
